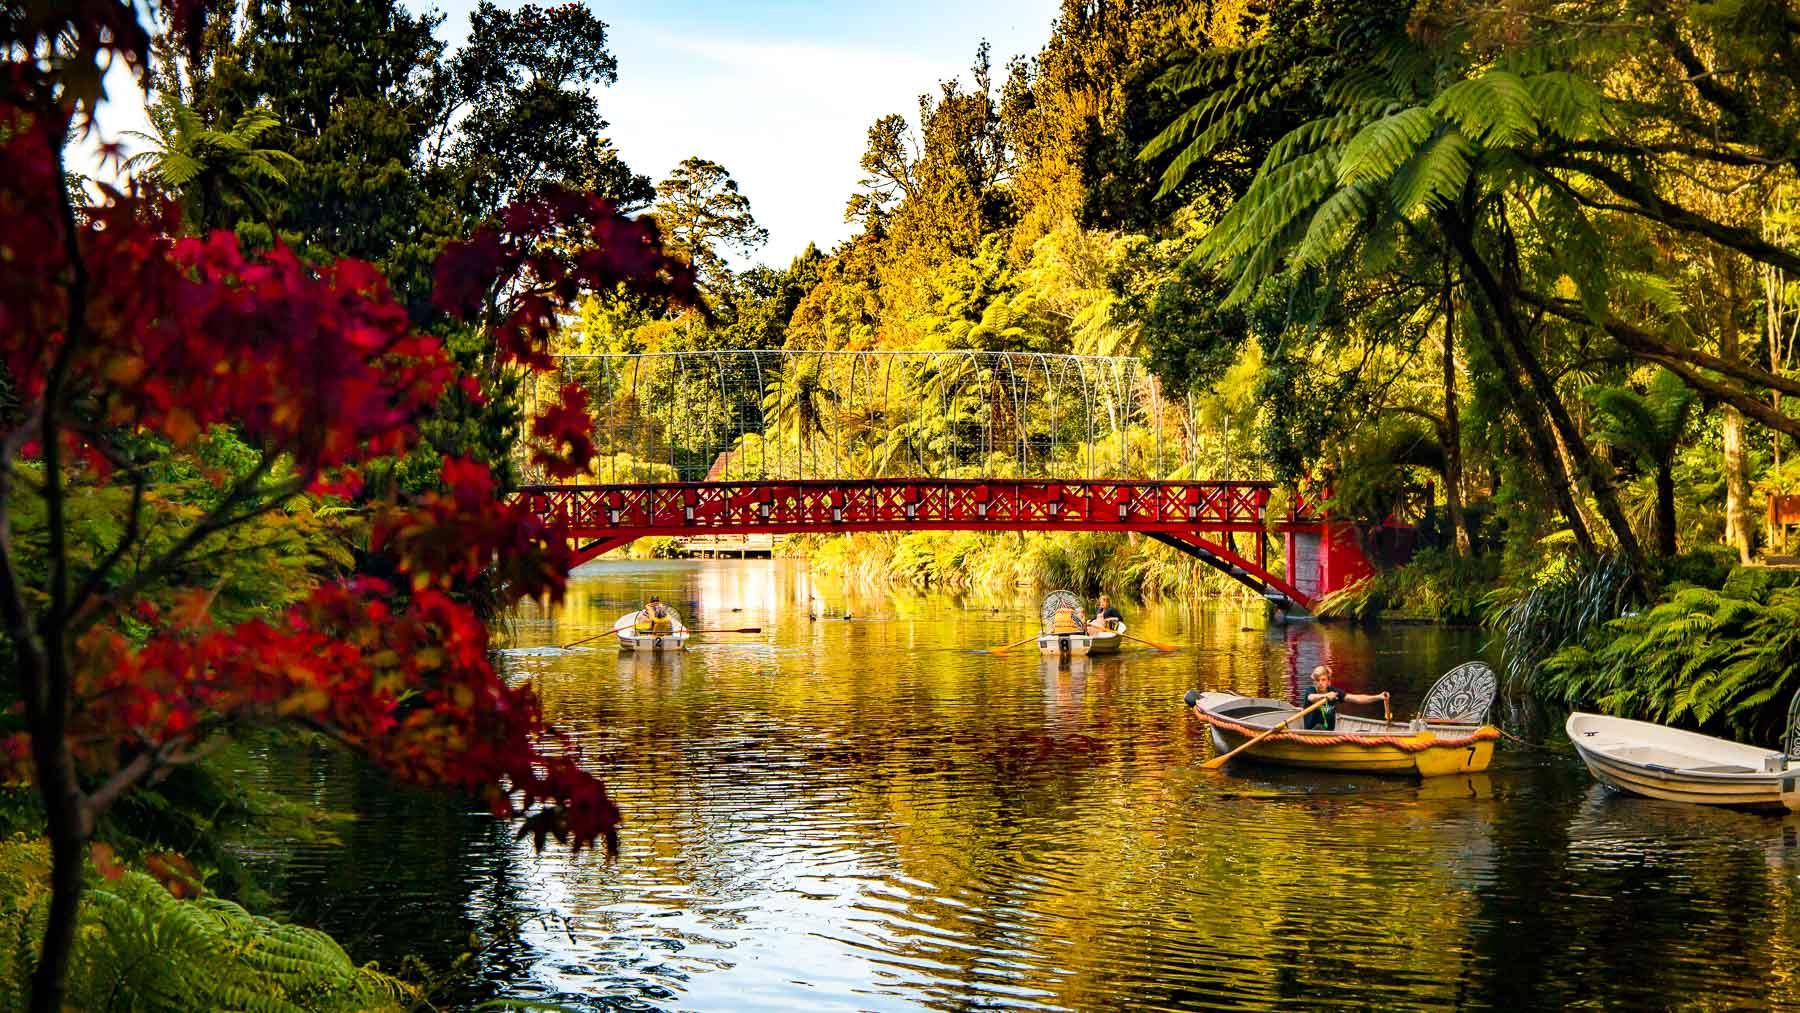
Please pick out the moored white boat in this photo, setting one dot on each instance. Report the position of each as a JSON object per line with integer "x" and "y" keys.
{"x": 1667, "y": 763}
{"x": 631, "y": 639}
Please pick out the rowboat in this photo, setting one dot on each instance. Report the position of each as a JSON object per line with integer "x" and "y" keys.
{"x": 1074, "y": 641}
{"x": 1067, "y": 645}
{"x": 639, "y": 640}
{"x": 1667, "y": 763}
{"x": 1106, "y": 641}
{"x": 1449, "y": 736}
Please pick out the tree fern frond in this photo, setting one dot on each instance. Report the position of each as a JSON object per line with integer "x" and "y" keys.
{"x": 178, "y": 168}
{"x": 1333, "y": 225}
{"x": 1568, "y": 105}
{"x": 1436, "y": 175}
{"x": 1273, "y": 201}
{"x": 1495, "y": 109}
{"x": 1384, "y": 145}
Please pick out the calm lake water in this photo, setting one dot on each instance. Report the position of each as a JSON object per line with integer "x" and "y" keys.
{"x": 867, "y": 815}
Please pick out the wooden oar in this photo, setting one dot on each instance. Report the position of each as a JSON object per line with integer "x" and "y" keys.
{"x": 1141, "y": 640}
{"x": 615, "y": 629}
{"x": 1002, "y": 649}
{"x": 597, "y": 636}
{"x": 1219, "y": 761}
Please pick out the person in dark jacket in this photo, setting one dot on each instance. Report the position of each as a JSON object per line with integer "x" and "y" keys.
{"x": 1326, "y": 717}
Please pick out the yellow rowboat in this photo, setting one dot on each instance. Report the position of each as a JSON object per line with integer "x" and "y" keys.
{"x": 1662, "y": 762}
{"x": 1449, "y": 736}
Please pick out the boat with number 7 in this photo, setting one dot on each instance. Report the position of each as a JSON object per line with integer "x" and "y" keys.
{"x": 1667, "y": 763}
{"x": 1450, "y": 735}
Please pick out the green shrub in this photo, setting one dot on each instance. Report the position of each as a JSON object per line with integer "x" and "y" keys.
{"x": 1708, "y": 566}
{"x": 1711, "y": 659}
{"x": 1436, "y": 584}
{"x": 1568, "y": 602}
{"x": 139, "y": 948}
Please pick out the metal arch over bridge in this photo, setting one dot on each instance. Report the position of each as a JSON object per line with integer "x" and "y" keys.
{"x": 793, "y": 441}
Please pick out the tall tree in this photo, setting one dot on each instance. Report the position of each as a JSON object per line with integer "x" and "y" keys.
{"x": 518, "y": 110}
{"x": 702, "y": 214}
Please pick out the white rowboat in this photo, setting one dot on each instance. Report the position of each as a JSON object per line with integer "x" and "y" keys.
{"x": 638, "y": 640}
{"x": 1667, "y": 763}
{"x": 1105, "y": 641}
{"x": 1067, "y": 645}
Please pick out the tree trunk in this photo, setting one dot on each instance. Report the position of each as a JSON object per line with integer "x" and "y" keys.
{"x": 1452, "y": 426}
{"x": 1512, "y": 332}
{"x": 1737, "y": 478}
{"x": 54, "y": 770}
{"x": 1665, "y": 509}
{"x": 1542, "y": 442}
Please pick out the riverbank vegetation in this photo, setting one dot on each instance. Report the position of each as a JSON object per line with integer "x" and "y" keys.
{"x": 255, "y": 439}
{"x": 1517, "y": 278}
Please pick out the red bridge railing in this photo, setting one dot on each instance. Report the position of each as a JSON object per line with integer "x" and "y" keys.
{"x": 1188, "y": 515}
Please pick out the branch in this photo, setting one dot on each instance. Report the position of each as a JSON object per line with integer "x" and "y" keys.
{"x": 1649, "y": 345}
{"x": 1651, "y": 206}
{"x": 148, "y": 765}
{"x": 126, "y": 540}
{"x": 219, "y": 519}
{"x": 1754, "y": 407}
{"x": 1719, "y": 156}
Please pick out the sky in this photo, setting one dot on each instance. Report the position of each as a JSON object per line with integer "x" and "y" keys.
{"x": 779, "y": 92}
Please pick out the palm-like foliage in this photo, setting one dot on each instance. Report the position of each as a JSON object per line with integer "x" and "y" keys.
{"x": 1397, "y": 140}
{"x": 801, "y": 403}
{"x": 208, "y": 165}
{"x": 1419, "y": 156}
{"x": 1649, "y": 427}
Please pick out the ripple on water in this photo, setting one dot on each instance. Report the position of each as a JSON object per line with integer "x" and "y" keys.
{"x": 867, "y": 815}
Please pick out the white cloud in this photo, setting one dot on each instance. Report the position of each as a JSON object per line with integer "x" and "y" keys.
{"x": 788, "y": 119}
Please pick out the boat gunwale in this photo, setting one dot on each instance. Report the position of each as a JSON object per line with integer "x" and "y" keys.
{"x": 1400, "y": 735}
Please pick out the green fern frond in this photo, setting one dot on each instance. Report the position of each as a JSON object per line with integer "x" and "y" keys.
{"x": 1384, "y": 145}
{"x": 1569, "y": 106}
{"x": 1436, "y": 175}
{"x": 1272, "y": 200}
{"x": 1333, "y": 225}
{"x": 1495, "y": 110}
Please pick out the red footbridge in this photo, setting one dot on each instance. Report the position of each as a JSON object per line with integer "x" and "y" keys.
{"x": 721, "y": 443}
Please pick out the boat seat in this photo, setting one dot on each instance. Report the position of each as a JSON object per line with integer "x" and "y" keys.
{"x": 1654, "y": 756}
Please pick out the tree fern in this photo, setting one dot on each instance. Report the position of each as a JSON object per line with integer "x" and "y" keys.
{"x": 1333, "y": 225}
{"x": 139, "y": 948}
{"x": 1436, "y": 175}
{"x": 1568, "y": 105}
{"x": 1495, "y": 109}
{"x": 1385, "y": 145}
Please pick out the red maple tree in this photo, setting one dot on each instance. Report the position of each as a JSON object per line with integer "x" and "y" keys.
{"x": 118, "y": 334}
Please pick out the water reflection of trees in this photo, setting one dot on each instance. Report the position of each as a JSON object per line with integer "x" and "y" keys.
{"x": 964, "y": 829}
